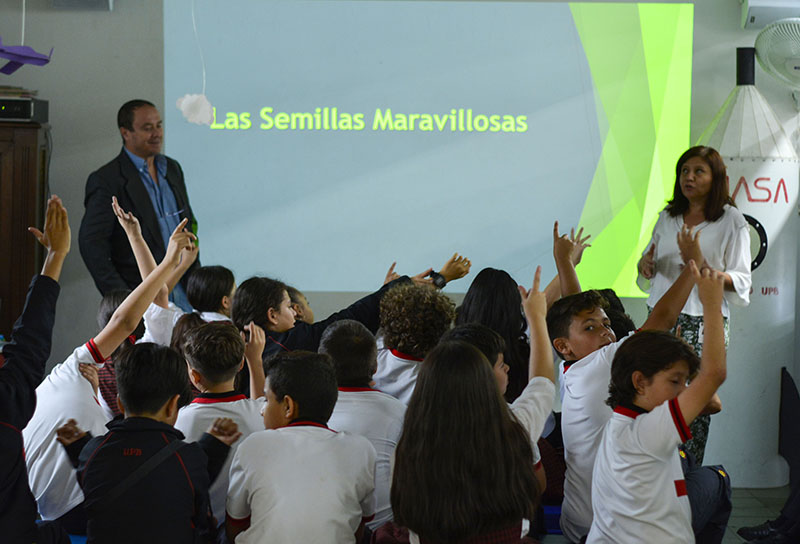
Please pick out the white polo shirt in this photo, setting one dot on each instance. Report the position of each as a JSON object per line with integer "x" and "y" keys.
{"x": 64, "y": 394}
{"x": 195, "y": 418}
{"x": 378, "y": 417}
{"x": 397, "y": 374}
{"x": 584, "y": 414}
{"x": 638, "y": 492}
{"x": 533, "y": 407}
{"x": 302, "y": 483}
{"x": 159, "y": 322}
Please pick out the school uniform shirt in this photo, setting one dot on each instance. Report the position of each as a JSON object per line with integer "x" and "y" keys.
{"x": 378, "y": 417}
{"x": 21, "y": 369}
{"x": 195, "y": 418}
{"x": 302, "y": 483}
{"x": 159, "y": 322}
{"x": 210, "y": 317}
{"x": 397, "y": 373}
{"x": 168, "y": 504}
{"x": 533, "y": 407}
{"x": 584, "y": 414}
{"x": 638, "y": 492}
{"x": 63, "y": 395}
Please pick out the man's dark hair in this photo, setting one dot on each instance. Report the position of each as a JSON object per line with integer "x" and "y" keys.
{"x": 414, "y": 317}
{"x": 353, "y": 351}
{"x": 308, "y": 378}
{"x": 148, "y": 375}
{"x": 649, "y": 352}
{"x": 253, "y": 299}
{"x": 207, "y": 285}
{"x": 215, "y": 350}
{"x": 560, "y": 314}
{"x": 490, "y": 343}
{"x": 126, "y": 112}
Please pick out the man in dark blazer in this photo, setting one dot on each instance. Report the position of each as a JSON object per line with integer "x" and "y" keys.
{"x": 146, "y": 183}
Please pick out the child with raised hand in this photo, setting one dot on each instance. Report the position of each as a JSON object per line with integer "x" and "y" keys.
{"x": 638, "y": 491}
{"x": 65, "y": 394}
{"x": 299, "y": 481}
{"x": 458, "y": 424}
{"x": 214, "y": 353}
{"x": 141, "y": 481}
{"x": 24, "y": 358}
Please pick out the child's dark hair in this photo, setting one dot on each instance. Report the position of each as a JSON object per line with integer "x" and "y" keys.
{"x": 485, "y": 339}
{"x": 148, "y": 375}
{"x": 308, "y": 378}
{"x": 294, "y": 294}
{"x": 215, "y": 350}
{"x": 253, "y": 299}
{"x": 493, "y": 300}
{"x": 352, "y": 350}
{"x": 560, "y": 315}
{"x": 621, "y": 322}
{"x": 649, "y": 352}
{"x": 180, "y": 332}
{"x": 414, "y": 317}
{"x": 463, "y": 464}
{"x": 109, "y": 304}
{"x": 207, "y": 285}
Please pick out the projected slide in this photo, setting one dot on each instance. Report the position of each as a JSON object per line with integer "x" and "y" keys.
{"x": 348, "y": 135}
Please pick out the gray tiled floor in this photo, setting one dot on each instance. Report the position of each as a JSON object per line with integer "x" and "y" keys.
{"x": 750, "y": 507}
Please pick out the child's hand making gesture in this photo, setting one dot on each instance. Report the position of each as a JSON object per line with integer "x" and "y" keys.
{"x": 254, "y": 341}
{"x": 534, "y": 303}
{"x": 225, "y": 430}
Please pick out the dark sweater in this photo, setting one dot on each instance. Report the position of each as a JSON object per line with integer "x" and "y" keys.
{"x": 25, "y": 358}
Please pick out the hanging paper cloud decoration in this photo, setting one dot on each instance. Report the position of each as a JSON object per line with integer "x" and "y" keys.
{"x": 195, "y": 108}
{"x": 18, "y": 55}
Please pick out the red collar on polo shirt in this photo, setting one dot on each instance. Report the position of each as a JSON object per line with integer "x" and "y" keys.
{"x": 309, "y": 423}
{"x": 630, "y": 410}
{"x": 405, "y": 356}
{"x": 356, "y": 389}
{"x": 213, "y": 398}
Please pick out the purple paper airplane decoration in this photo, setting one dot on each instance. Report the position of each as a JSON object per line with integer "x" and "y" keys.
{"x": 18, "y": 55}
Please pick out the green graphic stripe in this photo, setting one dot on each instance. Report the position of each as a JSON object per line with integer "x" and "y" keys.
{"x": 641, "y": 73}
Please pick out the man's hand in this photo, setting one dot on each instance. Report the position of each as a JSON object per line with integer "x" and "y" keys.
{"x": 179, "y": 240}
{"x": 647, "y": 264}
{"x": 56, "y": 235}
{"x": 69, "y": 433}
{"x": 128, "y": 221}
{"x": 89, "y": 373}
{"x": 391, "y": 275}
{"x": 534, "y": 302}
{"x": 254, "y": 345}
{"x": 225, "y": 430}
{"x": 456, "y": 267}
{"x": 689, "y": 246}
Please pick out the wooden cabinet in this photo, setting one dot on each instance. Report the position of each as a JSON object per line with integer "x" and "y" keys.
{"x": 23, "y": 179}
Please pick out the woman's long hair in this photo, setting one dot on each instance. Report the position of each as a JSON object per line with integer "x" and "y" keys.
{"x": 493, "y": 301}
{"x": 464, "y": 464}
{"x": 719, "y": 194}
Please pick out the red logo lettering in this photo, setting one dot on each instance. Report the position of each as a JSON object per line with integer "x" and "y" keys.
{"x": 760, "y": 188}
{"x": 132, "y": 452}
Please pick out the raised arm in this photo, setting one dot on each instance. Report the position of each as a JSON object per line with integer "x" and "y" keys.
{"x": 567, "y": 253}
{"x": 694, "y": 399}
{"x": 535, "y": 305}
{"x": 127, "y": 315}
{"x": 255, "y": 341}
{"x": 666, "y": 311}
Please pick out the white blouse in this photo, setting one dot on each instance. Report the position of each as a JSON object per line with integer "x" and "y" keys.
{"x": 726, "y": 247}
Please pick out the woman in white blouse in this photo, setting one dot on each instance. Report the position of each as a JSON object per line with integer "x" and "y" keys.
{"x": 701, "y": 222}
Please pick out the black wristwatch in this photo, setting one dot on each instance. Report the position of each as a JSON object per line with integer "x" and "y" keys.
{"x": 438, "y": 280}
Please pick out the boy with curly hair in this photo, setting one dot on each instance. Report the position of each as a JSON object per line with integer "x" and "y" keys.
{"x": 413, "y": 318}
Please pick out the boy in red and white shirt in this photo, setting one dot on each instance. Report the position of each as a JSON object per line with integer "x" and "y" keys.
{"x": 215, "y": 352}
{"x": 360, "y": 409}
{"x": 299, "y": 481}
{"x": 638, "y": 491}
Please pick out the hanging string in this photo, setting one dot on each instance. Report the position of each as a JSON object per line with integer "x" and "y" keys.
{"x": 23, "y": 23}
{"x": 199, "y": 49}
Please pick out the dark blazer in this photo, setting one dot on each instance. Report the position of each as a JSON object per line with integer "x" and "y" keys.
{"x": 103, "y": 243}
